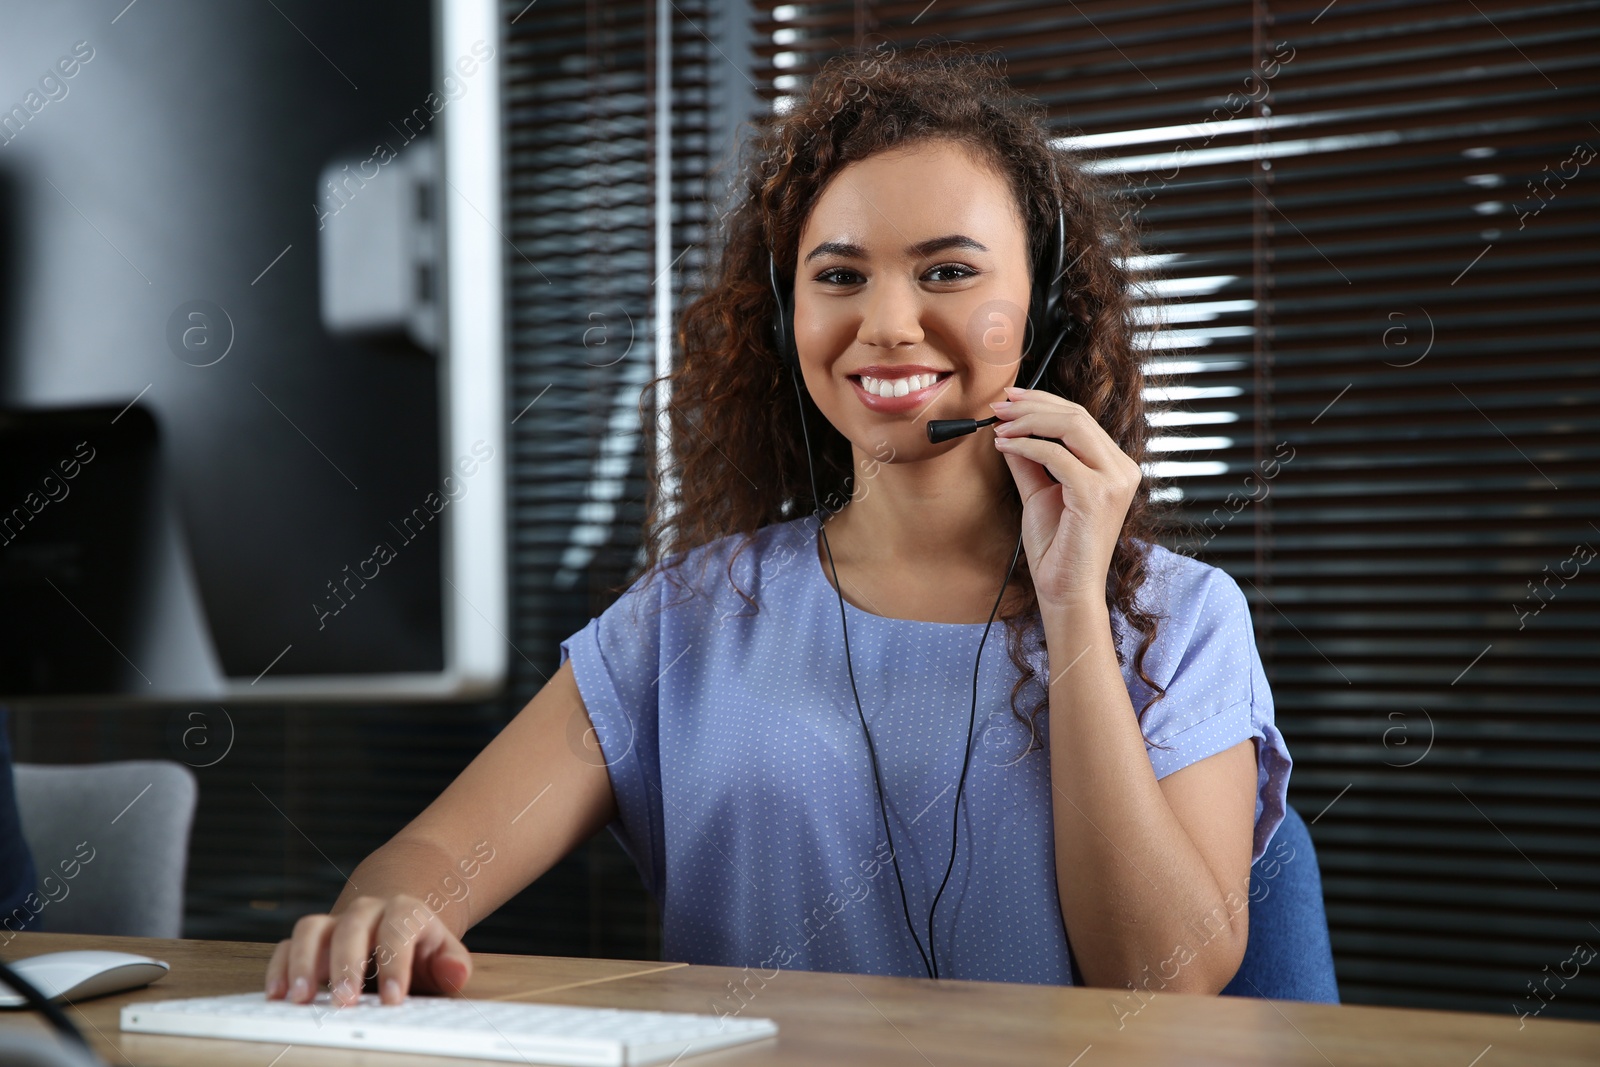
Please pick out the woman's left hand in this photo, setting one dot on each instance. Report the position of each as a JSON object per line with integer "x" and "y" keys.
{"x": 1069, "y": 529}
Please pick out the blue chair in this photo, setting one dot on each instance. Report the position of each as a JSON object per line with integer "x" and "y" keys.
{"x": 1289, "y": 956}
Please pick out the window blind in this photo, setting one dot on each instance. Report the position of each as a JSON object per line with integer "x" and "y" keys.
{"x": 1371, "y": 271}
{"x": 585, "y": 267}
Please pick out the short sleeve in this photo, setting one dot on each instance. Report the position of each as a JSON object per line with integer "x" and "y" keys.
{"x": 615, "y": 661}
{"x": 1217, "y": 694}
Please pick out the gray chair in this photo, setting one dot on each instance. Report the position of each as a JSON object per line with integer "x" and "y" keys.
{"x": 111, "y": 844}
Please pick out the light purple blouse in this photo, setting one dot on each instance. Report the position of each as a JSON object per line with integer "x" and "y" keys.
{"x": 746, "y": 798}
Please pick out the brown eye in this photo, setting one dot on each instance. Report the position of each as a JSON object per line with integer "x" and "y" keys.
{"x": 830, "y": 276}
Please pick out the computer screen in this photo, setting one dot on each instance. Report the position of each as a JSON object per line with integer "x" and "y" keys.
{"x": 250, "y": 257}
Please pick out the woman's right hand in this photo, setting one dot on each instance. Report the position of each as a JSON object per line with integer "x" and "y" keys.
{"x": 412, "y": 948}
{"x": 433, "y": 857}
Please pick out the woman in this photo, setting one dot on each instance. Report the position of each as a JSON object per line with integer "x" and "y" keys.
{"x": 801, "y": 793}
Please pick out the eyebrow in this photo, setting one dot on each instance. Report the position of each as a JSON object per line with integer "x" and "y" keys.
{"x": 848, "y": 250}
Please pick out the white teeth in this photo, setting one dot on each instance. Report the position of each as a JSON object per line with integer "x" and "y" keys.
{"x": 888, "y": 387}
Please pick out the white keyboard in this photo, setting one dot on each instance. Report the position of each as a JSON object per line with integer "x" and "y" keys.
{"x": 450, "y": 1026}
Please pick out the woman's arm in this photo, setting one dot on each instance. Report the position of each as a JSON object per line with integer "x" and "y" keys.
{"x": 536, "y": 791}
{"x": 1153, "y": 876}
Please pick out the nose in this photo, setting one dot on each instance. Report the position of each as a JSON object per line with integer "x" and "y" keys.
{"x": 892, "y": 315}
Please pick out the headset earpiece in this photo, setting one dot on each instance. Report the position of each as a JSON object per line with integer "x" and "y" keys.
{"x": 782, "y": 327}
{"x": 1047, "y": 302}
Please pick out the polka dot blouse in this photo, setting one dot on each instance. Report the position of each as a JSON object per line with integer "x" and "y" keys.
{"x": 744, "y": 787}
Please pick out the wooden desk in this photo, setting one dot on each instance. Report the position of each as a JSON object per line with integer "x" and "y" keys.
{"x": 828, "y": 1019}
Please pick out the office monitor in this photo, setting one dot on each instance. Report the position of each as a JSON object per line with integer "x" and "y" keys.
{"x": 251, "y": 255}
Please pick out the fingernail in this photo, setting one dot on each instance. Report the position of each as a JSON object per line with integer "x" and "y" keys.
{"x": 1001, "y": 404}
{"x": 1015, "y": 389}
{"x": 391, "y": 991}
{"x": 275, "y": 988}
{"x": 344, "y": 991}
{"x": 299, "y": 989}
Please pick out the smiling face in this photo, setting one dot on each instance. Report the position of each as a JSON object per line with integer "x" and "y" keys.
{"x": 912, "y": 281}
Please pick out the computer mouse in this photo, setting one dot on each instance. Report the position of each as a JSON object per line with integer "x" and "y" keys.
{"x": 81, "y": 974}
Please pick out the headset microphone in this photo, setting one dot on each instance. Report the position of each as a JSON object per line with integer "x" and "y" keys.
{"x": 1047, "y": 312}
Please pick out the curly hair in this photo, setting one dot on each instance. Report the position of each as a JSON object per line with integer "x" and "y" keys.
{"x": 722, "y": 391}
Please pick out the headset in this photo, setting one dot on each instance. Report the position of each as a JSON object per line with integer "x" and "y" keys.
{"x": 1047, "y": 314}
